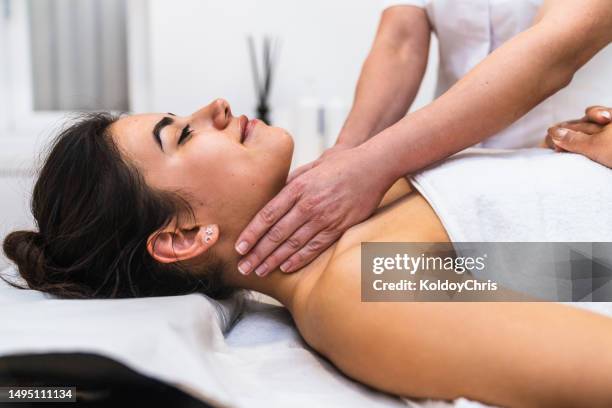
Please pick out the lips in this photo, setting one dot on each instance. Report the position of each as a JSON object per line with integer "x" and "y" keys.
{"x": 243, "y": 123}
{"x": 246, "y": 127}
{"x": 249, "y": 128}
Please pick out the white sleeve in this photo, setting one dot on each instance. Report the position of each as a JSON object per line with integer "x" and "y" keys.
{"x": 389, "y": 3}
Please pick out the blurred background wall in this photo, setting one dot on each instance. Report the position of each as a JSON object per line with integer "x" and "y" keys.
{"x": 202, "y": 54}
{"x": 199, "y": 55}
{"x": 159, "y": 55}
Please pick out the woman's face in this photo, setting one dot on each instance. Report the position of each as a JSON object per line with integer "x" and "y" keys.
{"x": 226, "y": 167}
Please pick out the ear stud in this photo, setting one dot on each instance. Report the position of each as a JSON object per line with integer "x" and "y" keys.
{"x": 209, "y": 230}
{"x": 207, "y": 239}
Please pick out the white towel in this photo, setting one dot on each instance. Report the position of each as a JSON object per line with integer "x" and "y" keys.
{"x": 529, "y": 195}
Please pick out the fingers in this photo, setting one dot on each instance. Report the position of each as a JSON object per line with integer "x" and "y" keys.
{"x": 581, "y": 126}
{"x": 310, "y": 251}
{"x": 266, "y": 218}
{"x": 256, "y": 260}
{"x": 291, "y": 246}
{"x": 577, "y": 126}
{"x": 599, "y": 114}
{"x": 549, "y": 144}
{"x": 572, "y": 141}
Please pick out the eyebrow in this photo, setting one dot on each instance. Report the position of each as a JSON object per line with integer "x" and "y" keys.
{"x": 165, "y": 121}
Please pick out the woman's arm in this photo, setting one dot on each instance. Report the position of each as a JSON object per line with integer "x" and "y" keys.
{"x": 507, "y": 84}
{"x": 506, "y": 354}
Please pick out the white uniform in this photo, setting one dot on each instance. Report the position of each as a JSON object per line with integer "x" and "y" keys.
{"x": 469, "y": 30}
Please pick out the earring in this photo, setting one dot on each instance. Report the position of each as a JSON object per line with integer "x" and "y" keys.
{"x": 209, "y": 230}
{"x": 207, "y": 239}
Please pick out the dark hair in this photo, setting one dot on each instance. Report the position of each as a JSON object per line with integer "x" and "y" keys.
{"x": 94, "y": 214}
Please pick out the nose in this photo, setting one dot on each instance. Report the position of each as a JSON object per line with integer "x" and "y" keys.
{"x": 218, "y": 112}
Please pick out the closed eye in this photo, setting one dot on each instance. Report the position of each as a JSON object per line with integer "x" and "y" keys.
{"x": 185, "y": 133}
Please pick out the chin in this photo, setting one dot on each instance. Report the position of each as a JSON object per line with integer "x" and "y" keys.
{"x": 288, "y": 140}
{"x": 274, "y": 150}
{"x": 283, "y": 156}
{"x": 285, "y": 147}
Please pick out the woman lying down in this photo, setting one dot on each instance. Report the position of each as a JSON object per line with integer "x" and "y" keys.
{"x": 151, "y": 204}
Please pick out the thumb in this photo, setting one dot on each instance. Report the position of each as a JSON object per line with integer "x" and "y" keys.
{"x": 572, "y": 141}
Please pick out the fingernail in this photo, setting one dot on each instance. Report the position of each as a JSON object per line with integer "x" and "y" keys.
{"x": 242, "y": 247}
{"x": 285, "y": 266}
{"x": 560, "y": 134}
{"x": 606, "y": 114}
{"x": 244, "y": 267}
{"x": 261, "y": 270}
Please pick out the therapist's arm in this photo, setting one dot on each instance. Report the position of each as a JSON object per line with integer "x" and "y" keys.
{"x": 389, "y": 81}
{"x": 506, "y": 85}
{"x": 391, "y": 75}
{"x": 312, "y": 211}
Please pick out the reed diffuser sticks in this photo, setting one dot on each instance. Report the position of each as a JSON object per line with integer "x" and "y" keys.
{"x": 263, "y": 84}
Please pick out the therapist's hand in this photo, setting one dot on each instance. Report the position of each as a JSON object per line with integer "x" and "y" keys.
{"x": 325, "y": 156}
{"x": 594, "y": 120}
{"x": 311, "y": 213}
{"x": 591, "y": 136}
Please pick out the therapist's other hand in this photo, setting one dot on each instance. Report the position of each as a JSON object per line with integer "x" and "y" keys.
{"x": 596, "y": 145}
{"x": 594, "y": 120}
{"x": 599, "y": 114}
{"x": 311, "y": 213}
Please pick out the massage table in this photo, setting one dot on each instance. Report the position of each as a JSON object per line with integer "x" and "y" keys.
{"x": 182, "y": 350}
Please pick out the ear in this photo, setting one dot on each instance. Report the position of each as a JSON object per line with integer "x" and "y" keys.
{"x": 173, "y": 244}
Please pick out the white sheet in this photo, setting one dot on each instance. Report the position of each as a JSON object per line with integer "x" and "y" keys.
{"x": 261, "y": 362}
{"x": 179, "y": 340}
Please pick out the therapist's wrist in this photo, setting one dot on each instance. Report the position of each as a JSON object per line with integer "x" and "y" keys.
{"x": 345, "y": 141}
{"x": 338, "y": 147}
{"x": 374, "y": 159}
{"x": 354, "y": 134}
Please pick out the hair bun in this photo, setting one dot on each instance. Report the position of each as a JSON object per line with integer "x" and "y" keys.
{"x": 25, "y": 249}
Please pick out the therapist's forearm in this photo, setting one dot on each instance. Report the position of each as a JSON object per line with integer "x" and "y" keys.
{"x": 510, "y": 82}
{"x": 391, "y": 75}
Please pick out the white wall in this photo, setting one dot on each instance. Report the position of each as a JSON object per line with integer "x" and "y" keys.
{"x": 199, "y": 49}
{"x": 199, "y": 52}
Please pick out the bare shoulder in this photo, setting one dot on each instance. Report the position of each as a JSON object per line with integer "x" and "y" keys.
{"x": 332, "y": 302}
{"x": 347, "y": 331}
{"x": 330, "y": 307}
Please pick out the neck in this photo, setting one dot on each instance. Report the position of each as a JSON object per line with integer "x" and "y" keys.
{"x": 286, "y": 288}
